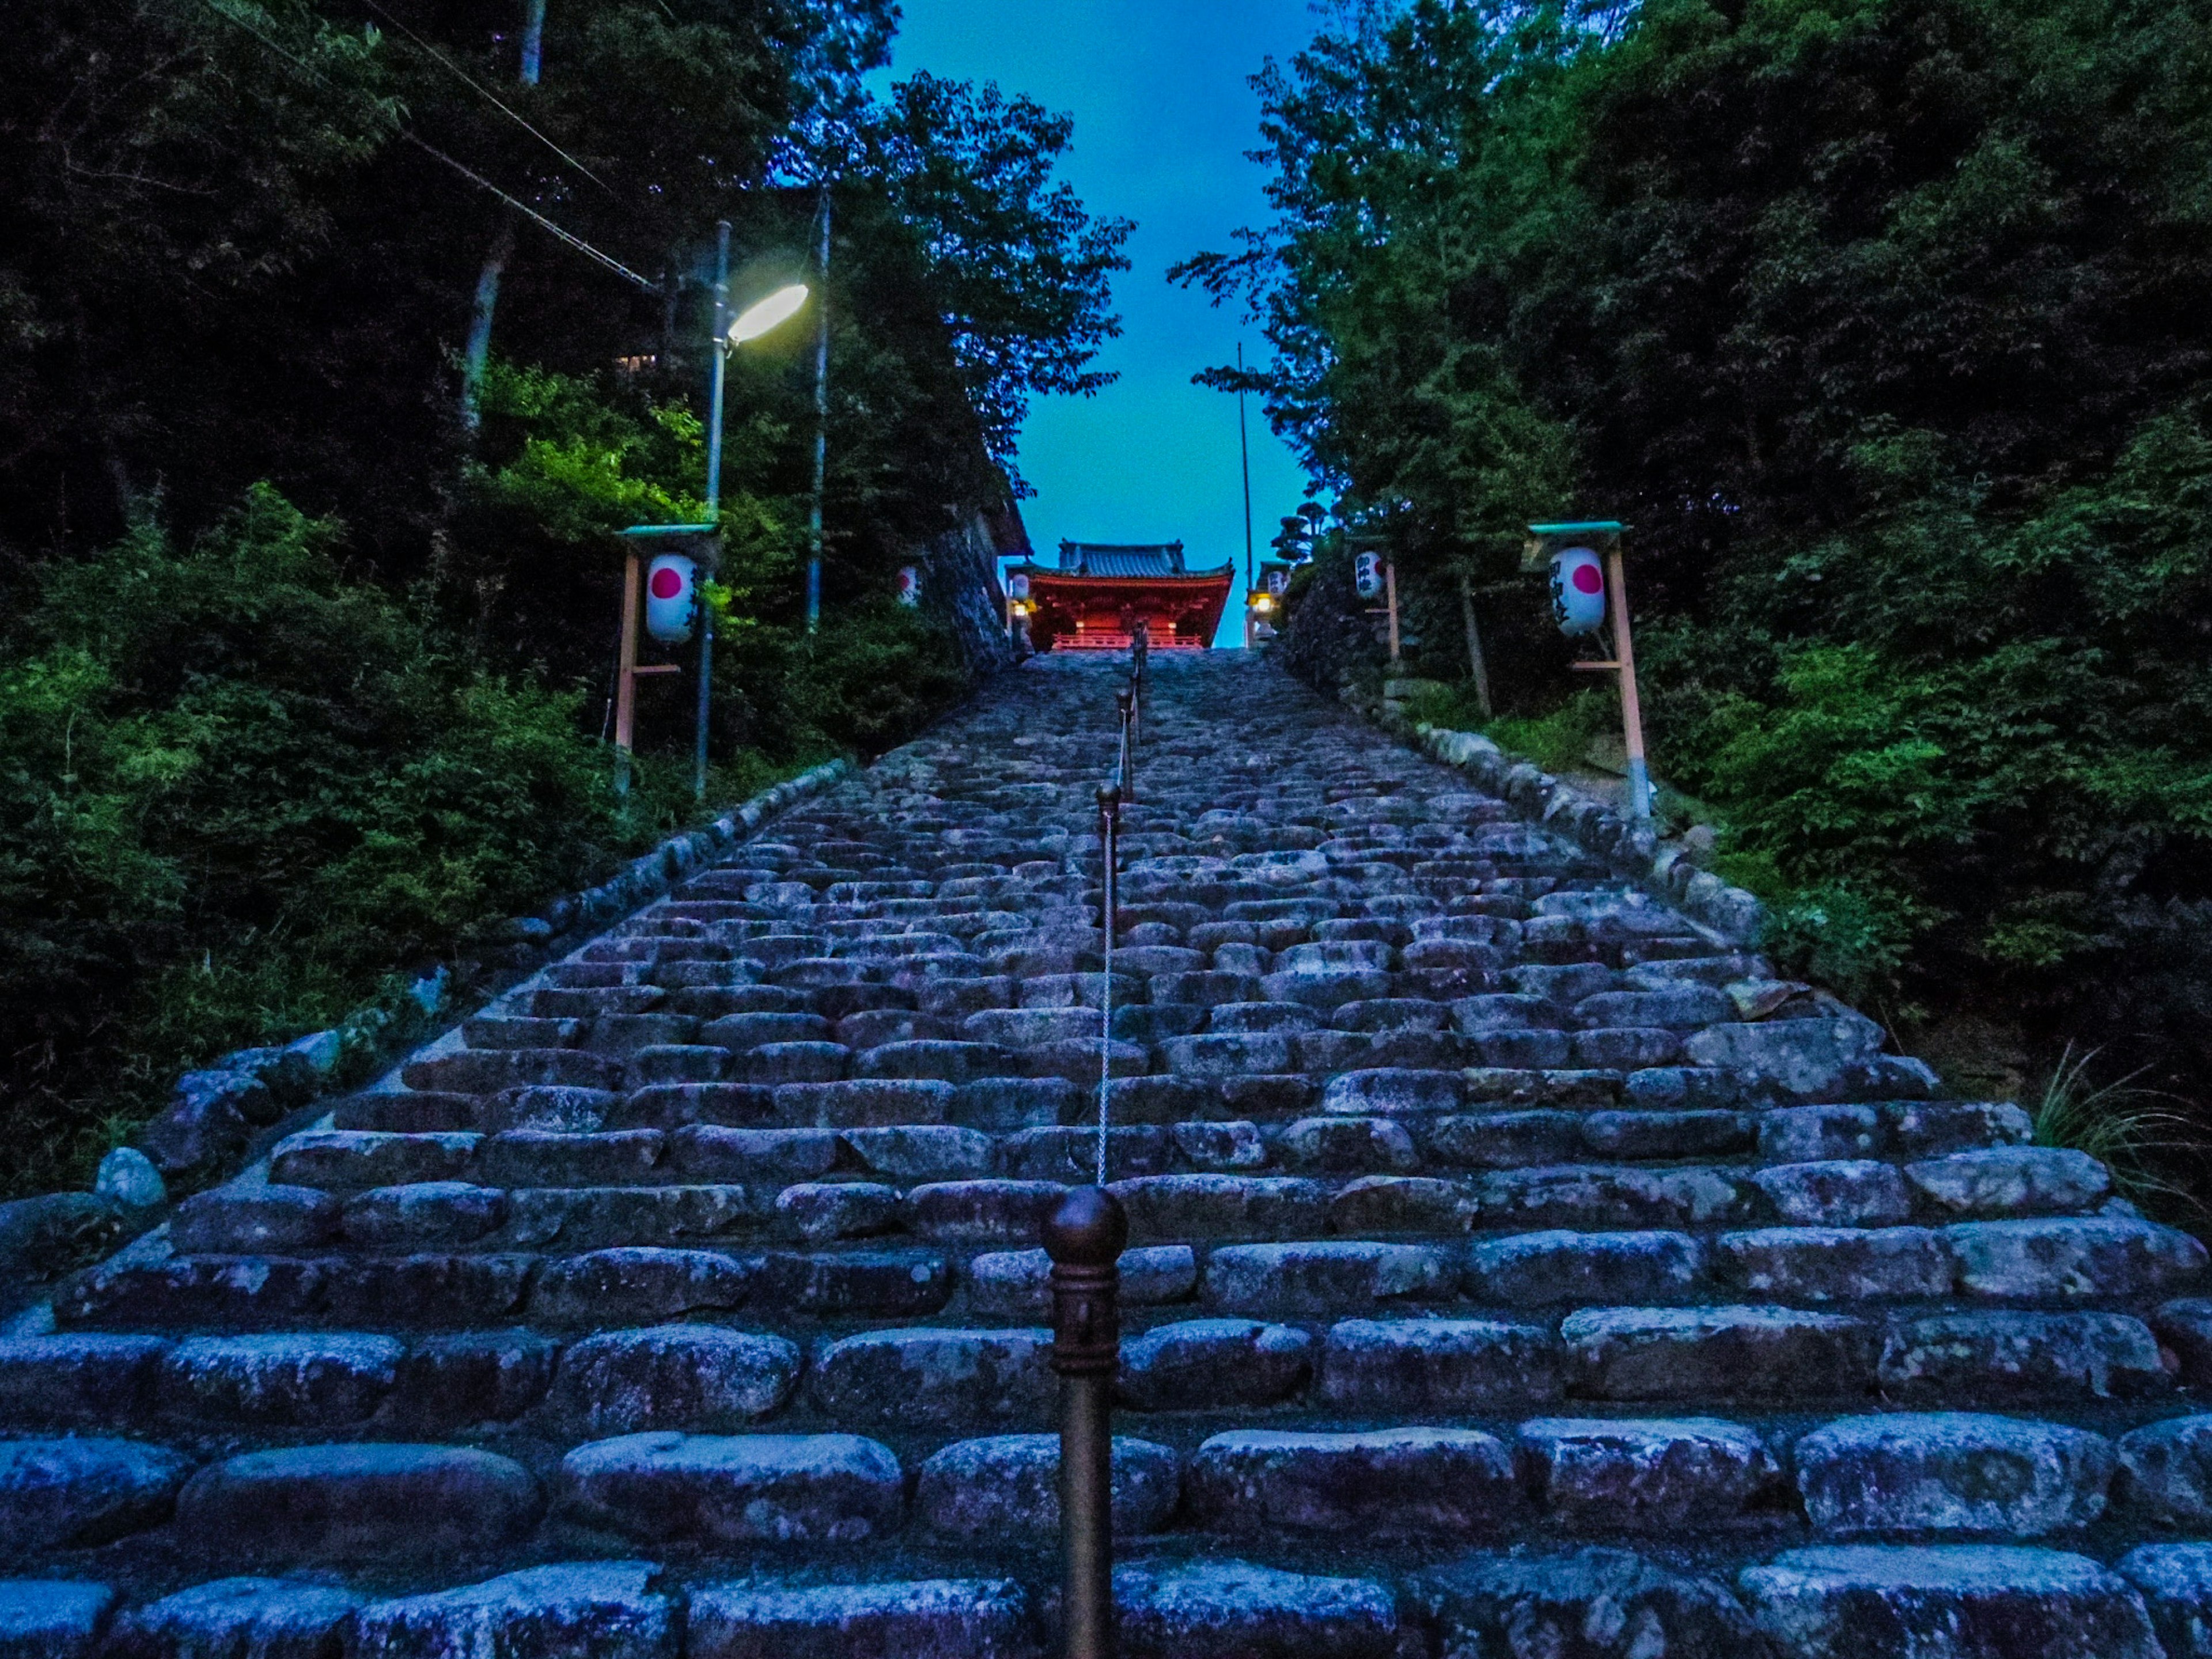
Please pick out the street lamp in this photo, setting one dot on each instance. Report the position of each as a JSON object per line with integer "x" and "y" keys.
{"x": 755, "y": 320}
{"x": 761, "y": 315}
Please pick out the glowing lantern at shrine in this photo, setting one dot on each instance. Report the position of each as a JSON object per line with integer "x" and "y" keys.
{"x": 1367, "y": 575}
{"x": 1577, "y": 591}
{"x": 671, "y": 597}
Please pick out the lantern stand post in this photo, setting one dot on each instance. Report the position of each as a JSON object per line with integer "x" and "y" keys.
{"x": 1544, "y": 539}
{"x": 1631, "y": 711}
{"x": 1390, "y": 602}
{"x": 1476, "y": 665}
{"x": 626, "y": 673}
{"x": 1084, "y": 1237}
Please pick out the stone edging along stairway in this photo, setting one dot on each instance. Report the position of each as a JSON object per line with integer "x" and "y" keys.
{"x": 1500, "y": 1285}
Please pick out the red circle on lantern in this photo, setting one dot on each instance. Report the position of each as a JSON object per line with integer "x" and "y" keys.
{"x": 666, "y": 584}
{"x": 1586, "y": 579}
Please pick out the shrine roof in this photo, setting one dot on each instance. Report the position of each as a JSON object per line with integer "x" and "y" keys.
{"x": 1124, "y": 561}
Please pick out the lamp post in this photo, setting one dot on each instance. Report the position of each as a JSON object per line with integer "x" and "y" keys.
{"x": 757, "y": 320}
{"x": 1571, "y": 550}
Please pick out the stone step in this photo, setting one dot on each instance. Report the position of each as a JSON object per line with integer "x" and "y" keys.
{"x": 1895, "y": 1476}
{"x": 693, "y": 1369}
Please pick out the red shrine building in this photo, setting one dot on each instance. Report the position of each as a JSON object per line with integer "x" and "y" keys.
{"x": 1101, "y": 591}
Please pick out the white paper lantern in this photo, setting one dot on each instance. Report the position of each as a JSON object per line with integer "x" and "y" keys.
{"x": 909, "y": 587}
{"x": 1017, "y": 587}
{"x": 672, "y": 596}
{"x": 1577, "y": 591}
{"x": 1367, "y": 574}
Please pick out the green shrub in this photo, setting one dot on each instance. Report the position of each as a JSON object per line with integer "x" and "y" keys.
{"x": 238, "y": 790}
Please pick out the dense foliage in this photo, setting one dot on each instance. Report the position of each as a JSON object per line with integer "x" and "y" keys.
{"x": 1881, "y": 322}
{"x": 306, "y": 667}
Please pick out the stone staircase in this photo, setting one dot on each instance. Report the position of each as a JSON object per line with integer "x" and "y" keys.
{"x": 1516, "y": 1270}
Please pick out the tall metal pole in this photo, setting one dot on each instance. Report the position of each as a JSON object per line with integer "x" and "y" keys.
{"x": 820, "y": 421}
{"x": 719, "y": 349}
{"x": 1244, "y": 456}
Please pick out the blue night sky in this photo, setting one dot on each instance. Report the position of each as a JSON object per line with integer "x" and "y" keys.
{"x": 1162, "y": 118}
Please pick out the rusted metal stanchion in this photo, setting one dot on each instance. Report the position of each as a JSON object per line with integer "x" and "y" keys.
{"x": 1084, "y": 1237}
{"x": 1126, "y": 702}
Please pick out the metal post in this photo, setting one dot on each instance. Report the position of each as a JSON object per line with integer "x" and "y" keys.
{"x": 821, "y": 422}
{"x": 1631, "y": 711}
{"x": 720, "y": 348}
{"x": 1084, "y": 1237}
{"x": 720, "y": 351}
{"x": 1125, "y": 701}
{"x": 1244, "y": 455}
{"x": 1390, "y": 599}
{"x": 626, "y": 673}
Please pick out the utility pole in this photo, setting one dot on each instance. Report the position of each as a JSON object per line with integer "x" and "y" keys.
{"x": 1244, "y": 454}
{"x": 478, "y": 348}
{"x": 720, "y": 351}
{"x": 820, "y": 421}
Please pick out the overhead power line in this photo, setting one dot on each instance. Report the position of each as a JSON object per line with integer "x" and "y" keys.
{"x": 407, "y": 133}
{"x": 493, "y": 98}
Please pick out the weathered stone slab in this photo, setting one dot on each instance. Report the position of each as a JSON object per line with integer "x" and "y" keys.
{"x": 1955, "y": 1602}
{"x": 1833, "y": 1264}
{"x": 1008, "y": 1484}
{"x": 2020, "y": 1356}
{"x": 2073, "y": 1260}
{"x": 1174, "y": 1208}
{"x": 465, "y": 1377}
{"x": 2175, "y": 1581}
{"x": 2010, "y": 1180}
{"x": 1951, "y": 1471}
{"x": 905, "y": 1153}
{"x": 238, "y": 1619}
{"x": 1534, "y": 1269}
{"x": 1663, "y": 1476}
{"x": 934, "y": 1376}
{"x": 57, "y": 1494}
{"x": 423, "y": 1215}
{"x": 51, "y": 1617}
{"x": 1387, "y": 1482}
{"x": 1722, "y": 1353}
{"x": 2167, "y": 1472}
{"x": 1591, "y": 1604}
{"x": 902, "y": 1618}
{"x": 778, "y": 1488}
{"x": 342, "y": 1502}
{"x": 1329, "y": 1276}
{"x": 1836, "y": 1193}
{"x": 255, "y": 1221}
{"x": 1198, "y": 1365}
{"x": 349, "y": 1160}
{"x": 641, "y": 1285}
{"x": 1234, "y": 1610}
{"x": 280, "y": 1381}
{"x": 671, "y": 1376}
{"x": 1450, "y": 1366}
{"x": 574, "y": 1610}
{"x": 80, "y": 1377}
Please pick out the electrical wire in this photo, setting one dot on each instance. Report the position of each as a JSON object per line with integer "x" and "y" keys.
{"x": 407, "y": 133}
{"x": 469, "y": 81}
